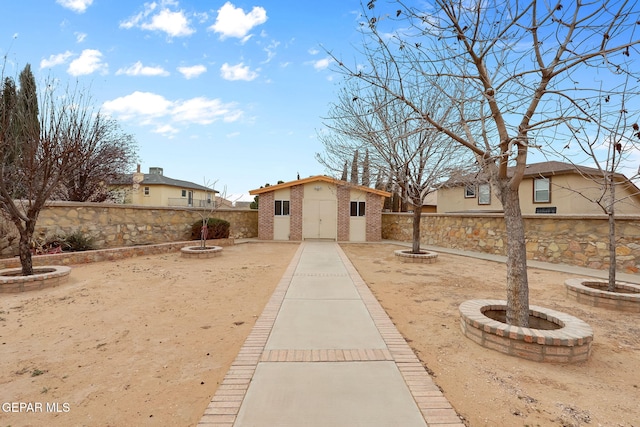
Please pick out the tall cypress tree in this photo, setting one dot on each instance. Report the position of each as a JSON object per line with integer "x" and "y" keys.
{"x": 354, "y": 168}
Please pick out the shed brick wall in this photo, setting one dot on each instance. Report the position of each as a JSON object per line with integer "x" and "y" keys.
{"x": 374, "y": 219}
{"x": 295, "y": 227}
{"x": 265, "y": 216}
{"x": 344, "y": 216}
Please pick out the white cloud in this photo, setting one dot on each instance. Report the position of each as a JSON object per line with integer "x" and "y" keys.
{"x": 204, "y": 111}
{"x": 233, "y": 22}
{"x": 174, "y": 23}
{"x": 54, "y": 60}
{"x": 166, "y": 130}
{"x": 90, "y": 61}
{"x": 322, "y": 64}
{"x": 313, "y": 51}
{"x": 237, "y": 72}
{"x": 155, "y": 110}
{"x": 193, "y": 71}
{"x": 138, "y": 104}
{"x": 78, "y": 6}
{"x": 80, "y": 37}
{"x": 138, "y": 69}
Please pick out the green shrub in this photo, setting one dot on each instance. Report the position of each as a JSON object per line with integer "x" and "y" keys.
{"x": 77, "y": 242}
{"x": 216, "y": 229}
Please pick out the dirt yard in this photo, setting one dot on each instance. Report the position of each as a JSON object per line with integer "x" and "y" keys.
{"x": 145, "y": 341}
{"x": 136, "y": 342}
{"x": 486, "y": 387}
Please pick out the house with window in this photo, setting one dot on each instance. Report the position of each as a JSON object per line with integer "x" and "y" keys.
{"x": 156, "y": 189}
{"x": 547, "y": 188}
{"x": 320, "y": 207}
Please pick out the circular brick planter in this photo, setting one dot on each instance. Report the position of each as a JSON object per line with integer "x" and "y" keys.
{"x": 594, "y": 293}
{"x": 425, "y": 257}
{"x": 199, "y": 252}
{"x": 12, "y": 280}
{"x": 561, "y": 338}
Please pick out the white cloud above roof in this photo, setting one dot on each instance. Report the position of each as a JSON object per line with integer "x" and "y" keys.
{"x": 152, "y": 109}
{"x": 192, "y": 71}
{"x": 90, "y": 61}
{"x": 57, "y": 59}
{"x": 138, "y": 69}
{"x": 78, "y": 6}
{"x": 234, "y": 22}
{"x": 237, "y": 72}
{"x": 156, "y": 17}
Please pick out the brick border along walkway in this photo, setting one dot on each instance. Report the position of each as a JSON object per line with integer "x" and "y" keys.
{"x": 225, "y": 404}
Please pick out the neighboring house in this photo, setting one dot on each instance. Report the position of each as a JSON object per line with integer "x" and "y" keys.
{"x": 320, "y": 207}
{"x": 547, "y": 188}
{"x": 156, "y": 189}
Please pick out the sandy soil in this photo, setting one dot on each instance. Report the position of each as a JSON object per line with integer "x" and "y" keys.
{"x": 145, "y": 341}
{"x": 488, "y": 388}
{"x": 135, "y": 342}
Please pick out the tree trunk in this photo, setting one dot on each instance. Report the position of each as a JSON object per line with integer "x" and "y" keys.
{"x": 612, "y": 253}
{"x": 611, "y": 287}
{"x": 517, "y": 281}
{"x": 24, "y": 248}
{"x": 417, "y": 217}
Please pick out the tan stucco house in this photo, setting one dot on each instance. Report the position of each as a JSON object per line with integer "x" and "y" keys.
{"x": 320, "y": 207}
{"x": 156, "y": 189}
{"x": 547, "y": 188}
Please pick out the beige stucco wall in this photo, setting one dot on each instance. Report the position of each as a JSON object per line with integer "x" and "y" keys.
{"x": 563, "y": 196}
{"x": 159, "y": 195}
{"x": 113, "y": 225}
{"x": 576, "y": 240}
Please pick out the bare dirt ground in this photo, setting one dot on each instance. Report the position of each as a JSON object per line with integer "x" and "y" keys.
{"x": 144, "y": 341}
{"x": 135, "y": 342}
{"x": 486, "y": 387}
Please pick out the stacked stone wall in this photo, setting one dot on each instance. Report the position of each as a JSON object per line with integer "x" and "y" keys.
{"x": 575, "y": 240}
{"x": 112, "y": 225}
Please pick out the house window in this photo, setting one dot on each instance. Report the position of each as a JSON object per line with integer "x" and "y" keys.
{"x": 146, "y": 191}
{"x": 357, "y": 208}
{"x": 469, "y": 191}
{"x": 184, "y": 193}
{"x": 282, "y": 207}
{"x": 484, "y": 194}
{"x": 541, "y": 190}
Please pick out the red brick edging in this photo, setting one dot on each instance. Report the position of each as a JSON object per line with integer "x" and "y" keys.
{"x": 225, "y": 404}
{"x": 629, "y": 302}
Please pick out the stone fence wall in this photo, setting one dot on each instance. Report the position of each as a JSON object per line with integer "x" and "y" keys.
{"x": 124, "y": 225}
{"x": 574, "y": 240}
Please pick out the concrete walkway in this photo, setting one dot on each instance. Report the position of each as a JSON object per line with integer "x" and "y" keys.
{"x": 324, "y": 353}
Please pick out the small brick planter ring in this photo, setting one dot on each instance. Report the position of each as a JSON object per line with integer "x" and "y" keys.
{"x": 594, "y": 293}
{"x": 569, "y": 342}
{"x": 199, "y": 252}
{"x": 425, "y": 257}
{"x": 12, "y": 280}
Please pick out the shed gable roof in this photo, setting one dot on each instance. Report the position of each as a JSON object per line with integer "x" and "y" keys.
{"x": 321, "y": 178}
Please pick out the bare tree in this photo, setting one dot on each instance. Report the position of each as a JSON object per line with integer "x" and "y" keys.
{"x": 415, "y": 156}
{"x": 102, "y": 160}
{"x": 607, "y": 141}
{"x": 36, "y": 155}
{"x": 512, "y": 74}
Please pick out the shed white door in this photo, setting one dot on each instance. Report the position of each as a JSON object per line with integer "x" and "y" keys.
{"x": 319, "y": 219}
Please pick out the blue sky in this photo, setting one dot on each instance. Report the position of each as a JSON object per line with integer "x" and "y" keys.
{"x": 226, "y": 91}
{"x": 231, "y": 92}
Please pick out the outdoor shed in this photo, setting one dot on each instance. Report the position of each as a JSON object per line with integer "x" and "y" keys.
{"x": 320, "y": 207}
